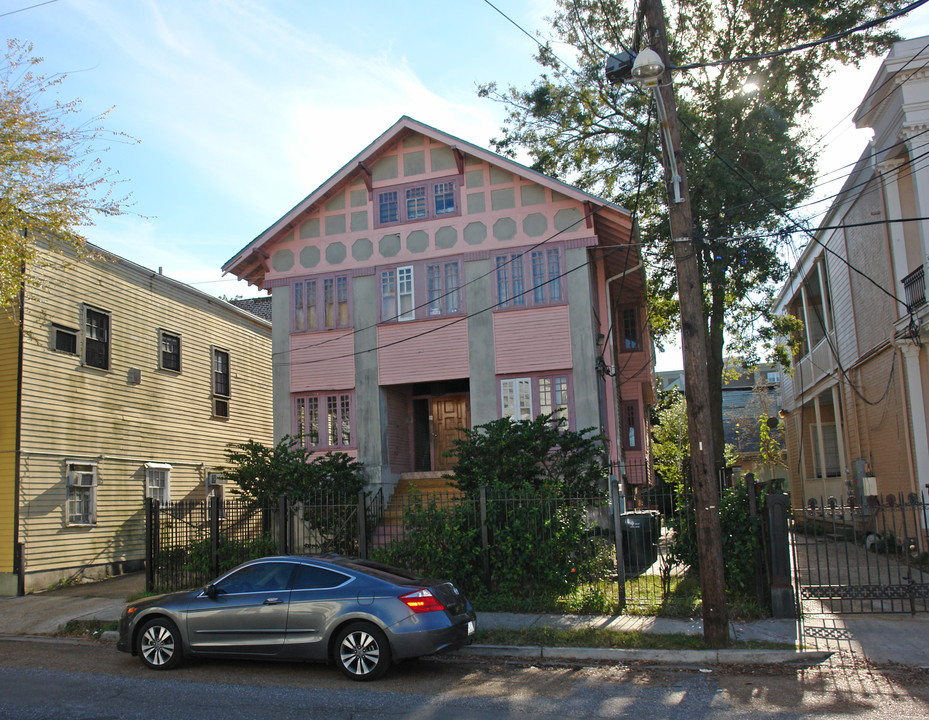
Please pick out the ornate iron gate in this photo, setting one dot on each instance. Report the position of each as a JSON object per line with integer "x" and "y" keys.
{"x": 855, "y": 559}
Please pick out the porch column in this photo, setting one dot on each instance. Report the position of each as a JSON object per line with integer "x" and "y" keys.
{"x": 917, "y": 401}
{"x": 840, "y": 433}
{"x": 890, "y": 171}
{"x": 820, "y": 445}
{"x": 918, "y": 145}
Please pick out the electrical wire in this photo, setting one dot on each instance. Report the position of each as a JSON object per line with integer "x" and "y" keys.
{"x": 805, "y": 46}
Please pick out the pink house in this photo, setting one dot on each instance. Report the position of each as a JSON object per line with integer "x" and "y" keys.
{"x": 431, "y": 285}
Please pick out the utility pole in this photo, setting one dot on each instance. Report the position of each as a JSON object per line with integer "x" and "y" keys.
{"x": 693, "y": 344}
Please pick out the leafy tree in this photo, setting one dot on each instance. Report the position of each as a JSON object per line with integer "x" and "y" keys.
{"x": 749, "y": 154}
{"x": 528, "y": 455}
{"x": 52, "y": 180}
{"x": 265, "y": 473}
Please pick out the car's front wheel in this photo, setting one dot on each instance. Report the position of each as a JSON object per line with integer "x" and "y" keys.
{"x": 362, "y": 652}
{"x": 159, "y": 644}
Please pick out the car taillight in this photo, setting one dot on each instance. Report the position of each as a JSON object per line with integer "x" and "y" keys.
{"x": 422, "y": 601}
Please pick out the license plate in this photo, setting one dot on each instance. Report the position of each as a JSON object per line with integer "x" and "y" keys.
{"x": 470, "y": 627}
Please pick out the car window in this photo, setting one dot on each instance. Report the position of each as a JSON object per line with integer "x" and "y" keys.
{"x": 311, "y": 577}
{"x": 261, "y": 577}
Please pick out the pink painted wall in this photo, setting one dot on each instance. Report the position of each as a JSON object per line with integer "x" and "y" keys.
{"x": 438, "y": 355}
{"x": 532, "y": 340}
{"x": 322, "y": 361}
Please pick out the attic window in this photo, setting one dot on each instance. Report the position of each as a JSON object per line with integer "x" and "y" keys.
{"x": 413, "y": 202}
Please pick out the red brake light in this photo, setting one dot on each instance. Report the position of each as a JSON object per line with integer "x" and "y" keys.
{"x": 422, "y": 601}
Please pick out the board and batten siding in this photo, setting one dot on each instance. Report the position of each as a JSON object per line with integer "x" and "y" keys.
{"x": 532, "y": 340}
{"x": 423, "y": 351}
{"x": 9, "y": 364}
{"x": 72, "y": 412}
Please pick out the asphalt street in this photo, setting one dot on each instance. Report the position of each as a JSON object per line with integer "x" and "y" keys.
{"x": 83, "y": 679}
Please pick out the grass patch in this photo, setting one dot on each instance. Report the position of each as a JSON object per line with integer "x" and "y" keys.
{"x": 600, "y": 638}
{"x": 85, "y": 628}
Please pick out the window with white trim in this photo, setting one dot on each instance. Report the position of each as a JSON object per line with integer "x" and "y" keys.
{"x": 81, "y": 479}
{"x": 324, "y": 421}
{"x": 525, "y": 398}
{"x": 830, "y": 448}
{"x": 96, "y": 338}
{"x": 533, "y": 277}
{"x": 158, "y": 482}
{"x": 321, "y": 303}
{"x": 421, "y": 291}
{"x": 412, "y": 202}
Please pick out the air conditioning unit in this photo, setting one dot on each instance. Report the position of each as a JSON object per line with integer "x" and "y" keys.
{"x": 80, "y": 478}
{"x": 215, "y": 479}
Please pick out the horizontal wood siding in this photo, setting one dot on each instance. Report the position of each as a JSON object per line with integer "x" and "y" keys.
{"x": 75, "y": 412}
{"x": 531, "y": 340}
{"x": 9, "y": 353}
{"x": 322, "y": 361}
{"x": 407, "y": 355}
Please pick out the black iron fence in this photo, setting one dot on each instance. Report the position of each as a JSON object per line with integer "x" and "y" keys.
{"x": 863, "y": 558}
{"x": 595, "y": 552}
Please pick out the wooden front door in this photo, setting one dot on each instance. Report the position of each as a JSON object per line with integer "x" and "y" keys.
{"x": 449, "y": 413}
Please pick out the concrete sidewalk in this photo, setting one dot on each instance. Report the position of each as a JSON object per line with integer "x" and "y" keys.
{"x": 881, "y": 638}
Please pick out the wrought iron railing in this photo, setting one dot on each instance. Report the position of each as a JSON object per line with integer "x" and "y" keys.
{"x": 914, "y": 288}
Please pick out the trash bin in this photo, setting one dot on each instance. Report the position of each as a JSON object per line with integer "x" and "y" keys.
{"x": 641, "y": 532}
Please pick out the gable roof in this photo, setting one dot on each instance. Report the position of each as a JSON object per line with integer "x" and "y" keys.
{"x": 615, "y": 220}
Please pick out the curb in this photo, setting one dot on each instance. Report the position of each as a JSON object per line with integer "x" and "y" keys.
{"x": 677, "y": 657}
{"x": 539, "y": 652}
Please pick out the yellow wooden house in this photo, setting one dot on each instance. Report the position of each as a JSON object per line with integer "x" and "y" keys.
{"x": 118, "y": 383}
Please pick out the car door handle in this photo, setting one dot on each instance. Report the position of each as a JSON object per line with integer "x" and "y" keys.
{"x": 272, "y": 601}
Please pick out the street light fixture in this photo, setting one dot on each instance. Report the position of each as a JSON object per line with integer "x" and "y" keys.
{"x": 647, "y": 68}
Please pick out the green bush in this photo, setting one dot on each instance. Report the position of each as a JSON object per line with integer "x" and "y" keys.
{"x": 740, "y": 537}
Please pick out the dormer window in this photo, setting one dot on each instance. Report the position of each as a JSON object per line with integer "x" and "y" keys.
{"x": 413, "y": 202}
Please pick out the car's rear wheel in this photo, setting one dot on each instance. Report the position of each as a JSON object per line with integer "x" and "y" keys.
{"x": 159, "y": 644}
{"x": 362, "y": 652}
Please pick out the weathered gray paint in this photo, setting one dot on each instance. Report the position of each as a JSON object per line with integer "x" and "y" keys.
{"x": 532, "y": 195}
{"x": 474, "y": 178}
{"x": 535, "y": 225}
{"x": 335, "y": 253}
{"x": 583, "y": 340}
{"x": 362, "y": 249}
{"x": 481, "y": 343}
{"x": 417, "y": 241}
{"x": 280, "y": 361}
{"x": 414, "y": 163}
{"x": 359, "y": 220}
{"x": 370, "y": 405}
{"x": 359, "y": 198}
{"x": 446, "y": 237}
{"x": 309, "y": 257}
{"x": 477, "y": 203}
{"x": 309, "y": 229}
{"x": 475, "y": 233}
{"x": 336, "y": 203}
{"x": 389, "y": 245}
{"x": 282, "y": 260}
{"x": 441, "y": 158}
{"x": 503, "y": 199}
{"x": 505, "y": 229}
{"x": 335, "y": 225}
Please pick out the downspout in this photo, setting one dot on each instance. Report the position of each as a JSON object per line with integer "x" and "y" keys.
{"x": 19, "y": 552}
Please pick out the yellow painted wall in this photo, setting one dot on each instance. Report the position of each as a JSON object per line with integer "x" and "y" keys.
{"x": 9, "y": 343}
{"x": 72, "y": 412}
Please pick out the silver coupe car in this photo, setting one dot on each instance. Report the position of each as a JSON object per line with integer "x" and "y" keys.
{"x": 360, "y": 615}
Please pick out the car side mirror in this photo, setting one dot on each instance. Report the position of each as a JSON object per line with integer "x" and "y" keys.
{"x": 210, "y": 591}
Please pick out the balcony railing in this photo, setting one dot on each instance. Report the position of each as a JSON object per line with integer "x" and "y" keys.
{"x": 816, "y": 365}
{"x": 914, "y": 288}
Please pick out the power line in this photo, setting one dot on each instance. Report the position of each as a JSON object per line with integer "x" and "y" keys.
{"x": 31, "y": 7}
{"x": 805, "y": 46}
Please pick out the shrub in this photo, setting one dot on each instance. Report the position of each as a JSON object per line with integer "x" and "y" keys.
{"x": 739, "y": 537}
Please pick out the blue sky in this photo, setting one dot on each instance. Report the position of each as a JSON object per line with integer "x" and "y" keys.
{"x": 243, "y": 107}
